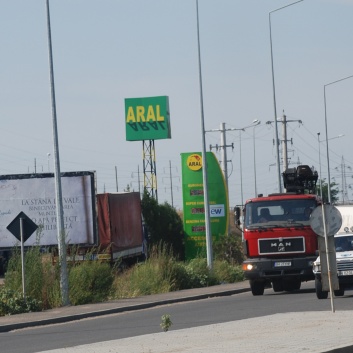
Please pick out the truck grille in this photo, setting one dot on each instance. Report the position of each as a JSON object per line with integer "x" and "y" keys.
{"x": 281, "y": 245}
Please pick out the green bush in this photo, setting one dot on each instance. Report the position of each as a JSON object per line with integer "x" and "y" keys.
{"x": 42, "y": 281}
{"x": 93, "y": 281}
{"x": 164, "y": 225}
{"x": 229, "y": 248}
{"x": 90, "y": 282}
{"x": 180, "y": 277}
{"x": 32, "y": 271}
{"x": 227, "y": 273}
{"x": 153, "y": 276}
{"x": 161, "y": 272}
{"x": 12, "y": 302}
{"x": 199, "y": 274}
{"x": 148, "y": 279}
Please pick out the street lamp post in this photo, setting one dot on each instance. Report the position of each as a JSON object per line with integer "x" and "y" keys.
{"x": 327, "y": 152}
{"x": 241, "y": 169}
{"x": 320, "y": 182}
{"x": 64, "y": 285}
{"x": 255, "y": 157}
{"x": 48, "y": 155}
{"x": 204, "y": 158}
{"x": 274, "y": 97}
{"x": 254, "y": 123}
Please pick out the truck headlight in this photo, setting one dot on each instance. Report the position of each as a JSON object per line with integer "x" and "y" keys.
{"x": 248, "y": 267}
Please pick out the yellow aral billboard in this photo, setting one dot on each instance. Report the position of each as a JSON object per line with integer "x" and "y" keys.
{"x": 147, "y": 118}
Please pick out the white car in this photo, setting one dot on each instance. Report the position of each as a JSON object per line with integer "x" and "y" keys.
{"x": 344, "y": 260}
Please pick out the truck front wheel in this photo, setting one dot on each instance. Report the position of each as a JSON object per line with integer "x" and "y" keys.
{"x": 318, "y": 289}
{"x": 257, "y": 287}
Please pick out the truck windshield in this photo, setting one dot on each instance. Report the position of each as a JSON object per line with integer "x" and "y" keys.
{"x": 278, "y": 212}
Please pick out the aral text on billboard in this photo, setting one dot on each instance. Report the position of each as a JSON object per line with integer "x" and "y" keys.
{"x": 147, "y": 118}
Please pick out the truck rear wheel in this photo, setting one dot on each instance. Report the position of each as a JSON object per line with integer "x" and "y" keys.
{"x": 318, "y": 289}
{"x": 257, "y": 287}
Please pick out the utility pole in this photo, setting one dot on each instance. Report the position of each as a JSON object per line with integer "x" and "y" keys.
{"x": 223, "y": 147}
{"x": 138, "y": 179}
{"x": 344, "y": 191}
{"x": 171, "y": 182}
{"x": 116, "y": 179}
{"x": 284, "y": 122}
{"x": 285, "y": 154}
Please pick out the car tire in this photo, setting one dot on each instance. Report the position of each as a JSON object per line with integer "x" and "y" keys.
{"x": 339, "y": 292}
{"x": 320, "y": 294}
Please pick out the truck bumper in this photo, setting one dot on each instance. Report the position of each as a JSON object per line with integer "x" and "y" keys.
{"x": 272, "y": 269}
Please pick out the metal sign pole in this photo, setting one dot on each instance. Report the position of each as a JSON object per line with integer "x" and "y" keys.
{"x": 22, "y": 259}
{"x": 327, "y": 257}
{"x": 22, "y": 227}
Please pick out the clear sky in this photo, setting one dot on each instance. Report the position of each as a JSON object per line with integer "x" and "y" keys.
{"x": 108, "y": 50}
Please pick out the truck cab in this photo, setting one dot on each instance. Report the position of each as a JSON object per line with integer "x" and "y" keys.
{"x": 278, "y": 241}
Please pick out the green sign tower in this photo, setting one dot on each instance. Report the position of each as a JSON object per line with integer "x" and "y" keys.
{"x": 146, "y": 120}
{"x": 193, "y": 201}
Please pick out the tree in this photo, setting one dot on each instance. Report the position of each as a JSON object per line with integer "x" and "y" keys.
{"x": 163, "y": 225}
{"x": 334, "y": 191}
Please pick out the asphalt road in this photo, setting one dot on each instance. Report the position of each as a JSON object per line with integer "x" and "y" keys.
{"x": 183, "y": 315}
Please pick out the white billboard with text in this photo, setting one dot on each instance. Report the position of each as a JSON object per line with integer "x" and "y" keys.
{"x": 34, "y": 194}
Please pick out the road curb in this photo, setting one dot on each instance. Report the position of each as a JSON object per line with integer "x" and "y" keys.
{"x": 116, "y": 310}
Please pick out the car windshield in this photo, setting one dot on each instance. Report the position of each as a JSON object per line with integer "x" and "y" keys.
{"x": 344, "y": 243}
{"x": 283, "y": 213}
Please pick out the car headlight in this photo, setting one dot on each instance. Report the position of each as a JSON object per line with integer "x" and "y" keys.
{"x": 316, "y": 267}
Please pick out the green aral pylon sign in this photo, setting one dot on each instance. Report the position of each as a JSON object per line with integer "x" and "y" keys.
{"x": 193, "y": 201}
{"x": 147, "y": 118}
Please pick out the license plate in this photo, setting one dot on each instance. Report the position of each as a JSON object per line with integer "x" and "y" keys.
{"x": 283, "y": 263}
{"x": 345, "y": 273}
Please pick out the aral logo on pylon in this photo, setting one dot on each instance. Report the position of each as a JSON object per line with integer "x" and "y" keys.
{"x": 194, "y": 162}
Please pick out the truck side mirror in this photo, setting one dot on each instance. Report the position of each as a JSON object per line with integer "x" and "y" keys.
{"x": 237, "y": 215}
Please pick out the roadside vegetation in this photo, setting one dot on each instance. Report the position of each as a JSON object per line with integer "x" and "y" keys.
{"x": 93, "y": 281}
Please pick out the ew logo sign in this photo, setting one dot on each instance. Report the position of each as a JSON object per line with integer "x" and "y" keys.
{"x": 217, "y": 211}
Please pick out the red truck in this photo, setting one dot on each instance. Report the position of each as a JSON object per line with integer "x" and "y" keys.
{"x": 278, "y": 241}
